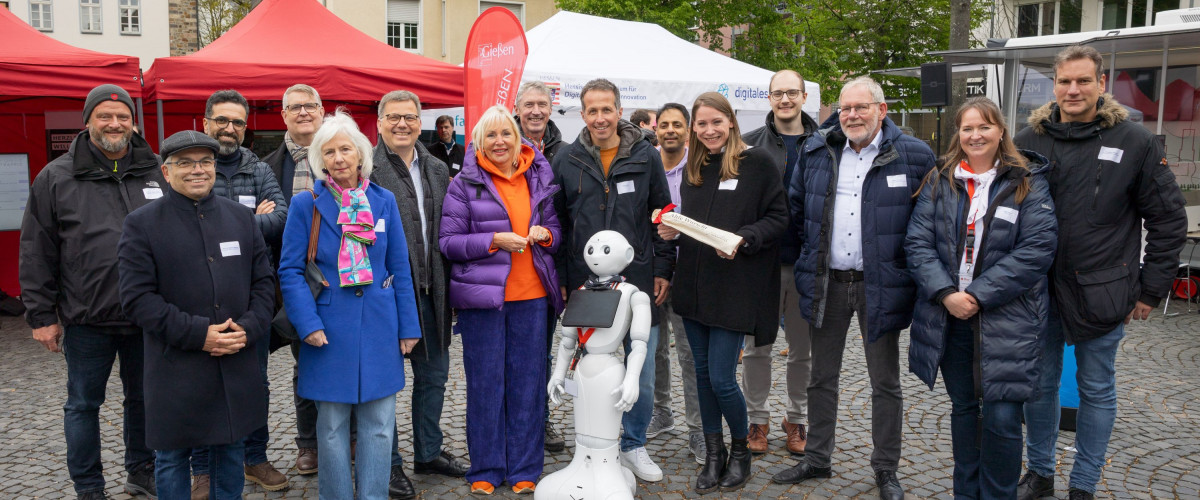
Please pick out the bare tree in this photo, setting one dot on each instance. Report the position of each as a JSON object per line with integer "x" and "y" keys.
{"x": 217, "y": 16}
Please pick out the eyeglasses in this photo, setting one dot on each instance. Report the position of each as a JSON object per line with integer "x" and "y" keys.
{"x": 857, "y": 108}
{"x": 793, "y": 94}
{"x": 394, "y": 119}
{"x": 223, "y": 122}
{"x": 294, "y": 109}
{"x": 205, "y": 164}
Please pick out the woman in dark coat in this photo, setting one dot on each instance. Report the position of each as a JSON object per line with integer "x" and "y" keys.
{"x": 979, "y": 243}
{"x": 721, "y": 297}
{"x": 356, "y": 329}
{"x": 499, "y": 231}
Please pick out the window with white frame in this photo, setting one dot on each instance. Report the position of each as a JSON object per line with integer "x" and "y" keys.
{"x": 403, "y": 24}
{"x": 89, "y": 16}
{"x": 1049, "y": 17}
{"x": 517, "y": 8}
{"x": 1118, "y": 14}
{"x": 41, "y": 15}
{"x": 130, "y": 13}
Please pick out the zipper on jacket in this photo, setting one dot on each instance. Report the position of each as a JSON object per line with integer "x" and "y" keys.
{"x": 978, "y": 376}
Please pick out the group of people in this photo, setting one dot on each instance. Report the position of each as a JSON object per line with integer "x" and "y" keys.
{"x": 996, "y": 255}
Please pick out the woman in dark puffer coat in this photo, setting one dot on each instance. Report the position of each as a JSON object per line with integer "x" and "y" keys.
{"x": 980, "y": 241}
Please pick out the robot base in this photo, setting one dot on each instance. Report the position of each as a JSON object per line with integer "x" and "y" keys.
{"x": 591, "y": 475}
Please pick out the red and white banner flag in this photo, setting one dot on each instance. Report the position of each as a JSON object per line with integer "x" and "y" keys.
{"x": 495, "y": 59}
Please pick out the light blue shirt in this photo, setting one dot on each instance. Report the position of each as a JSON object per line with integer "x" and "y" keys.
{"x": 845, "y": 246}
{"x": 675, "y": 179}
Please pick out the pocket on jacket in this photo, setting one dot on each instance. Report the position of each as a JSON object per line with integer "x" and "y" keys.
{"x": 325, "y": 297}
{"x": 1104, "y": 293}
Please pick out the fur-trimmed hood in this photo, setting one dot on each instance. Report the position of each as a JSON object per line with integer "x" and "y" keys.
{"x": 1110, "y": 113}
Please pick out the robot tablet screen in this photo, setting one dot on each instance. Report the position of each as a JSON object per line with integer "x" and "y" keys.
{"x": 591, "y": 308}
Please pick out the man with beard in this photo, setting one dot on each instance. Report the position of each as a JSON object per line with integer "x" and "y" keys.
{"x": 851, "y": 199}
{"x": 787, "y": 127}
{"x": 243, "y": 178}
{"x": 68, "y": 274}
{"x": 445, "y": 148}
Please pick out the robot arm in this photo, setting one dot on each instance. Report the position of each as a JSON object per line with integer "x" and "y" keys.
{"x": 639, "y": 334}
{"x": 566, "y": 350}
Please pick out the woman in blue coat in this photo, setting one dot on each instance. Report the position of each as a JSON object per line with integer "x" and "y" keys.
{"x": 979, "y": 243}
{"x": 357, "y": 329}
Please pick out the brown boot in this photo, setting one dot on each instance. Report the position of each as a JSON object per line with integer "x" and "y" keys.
{"x": 200, "y": 487}
{"x": 306, "y": 461}
{"x": 797, "y": 436}
{"x": 266, "y": 476}
{"x": 757, "y": 439}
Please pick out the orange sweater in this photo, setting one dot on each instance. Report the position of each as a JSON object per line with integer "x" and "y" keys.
{"x": 523, "y": 282}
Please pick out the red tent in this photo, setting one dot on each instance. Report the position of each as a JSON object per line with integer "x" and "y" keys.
{"x": 284, "y": 42}
{"x": 42, "y": 86}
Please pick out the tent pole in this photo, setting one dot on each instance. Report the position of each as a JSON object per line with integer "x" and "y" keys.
{"x": 1162, "y": 85}
{"x": 160, "y": 122}
{"x": 141, "y": 120}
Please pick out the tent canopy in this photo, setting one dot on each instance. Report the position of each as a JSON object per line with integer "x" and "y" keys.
{"x": 284, "y": 42}
{"x": 650, "y": 65}
{"x": 33, "y": 64}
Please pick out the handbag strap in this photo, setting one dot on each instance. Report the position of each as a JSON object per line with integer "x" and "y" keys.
{"x": 315, "y": 231}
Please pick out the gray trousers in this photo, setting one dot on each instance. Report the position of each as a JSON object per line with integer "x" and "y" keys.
{"x": 756, "y": 361}
{"x": 671, "y": 326}
{"x": 883, "y": 367}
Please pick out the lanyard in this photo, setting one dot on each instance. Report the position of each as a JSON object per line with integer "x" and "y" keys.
{"x": 971, "y": 217}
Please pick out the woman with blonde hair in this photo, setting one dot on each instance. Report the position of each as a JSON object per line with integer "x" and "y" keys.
{"x": 500, "y": 231}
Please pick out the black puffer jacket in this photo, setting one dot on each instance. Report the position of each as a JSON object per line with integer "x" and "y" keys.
{"x": 552, "y": 141}
{"x": 769, "y": 139}
{"x": 452, "y": 158}
{"x": 1107, "y": 177}
{"x": 70, "y": 230}
{"x": 255, "y": 180}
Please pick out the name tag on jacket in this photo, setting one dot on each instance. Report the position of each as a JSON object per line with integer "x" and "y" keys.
{"x": 379, "y": 226}
{"x": 897, "y": 181}
{"x": 728, "y": 185}
{"x": 230, "y": 249}
{"x": 246, "y": 200}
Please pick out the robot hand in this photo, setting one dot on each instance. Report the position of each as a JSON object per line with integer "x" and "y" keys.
{"x": 555, "y": 390}
{"x": 628, "y": 392}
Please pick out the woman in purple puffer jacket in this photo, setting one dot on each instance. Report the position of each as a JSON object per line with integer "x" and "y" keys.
{"x": 500, "y": 231}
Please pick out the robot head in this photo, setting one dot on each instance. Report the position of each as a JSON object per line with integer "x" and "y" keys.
{"x": 607, "y": 253}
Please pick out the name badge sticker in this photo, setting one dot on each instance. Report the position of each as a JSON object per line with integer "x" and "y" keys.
{"x": 897, "y": 181}
{"x": 624, "y": 187}
{"x": 246, "y": 200}
{"x": 1111, "y": 154}
{"x": 571, "y": 387}
{"x": 727, "y": 185}
{"x": 380, "y": 227}
{"x": 230, "y": 249}
{"x": 1007, "y": 214}
{"x": 152, "y": 193}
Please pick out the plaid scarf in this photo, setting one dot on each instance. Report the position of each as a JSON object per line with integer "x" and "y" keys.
{"x": 358, "y": 230}
{"x": 302, "y": 178}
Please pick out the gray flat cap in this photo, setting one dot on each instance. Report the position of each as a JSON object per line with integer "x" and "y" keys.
{"x": 187, "y": 139}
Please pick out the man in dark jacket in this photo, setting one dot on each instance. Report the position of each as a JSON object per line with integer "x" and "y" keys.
{"x": 787, "y": 127}
{"x": 302, "y": 114}
{"x": 851, "y": 197}
{"x": 241, "y": 177}
{"x": 204, "y": 384}
{"x": 68, "y": 274}
{"x": 612, "y": 178}
{"x": 533, "y": 118}
{"x": 444, "y": 147}
{"x": 1109, "y": 179}
{"x": 404, "y": 166}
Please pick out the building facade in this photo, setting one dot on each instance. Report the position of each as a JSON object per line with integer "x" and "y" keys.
{"x": 127, "y": 27}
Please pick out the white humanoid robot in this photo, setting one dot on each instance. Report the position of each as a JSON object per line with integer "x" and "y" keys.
{"x": 605, "y": 388}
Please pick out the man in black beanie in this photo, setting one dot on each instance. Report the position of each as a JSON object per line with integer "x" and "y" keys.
{"x": 68, "y": 273}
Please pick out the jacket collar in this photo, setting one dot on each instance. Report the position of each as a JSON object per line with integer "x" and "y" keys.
{"x": 179, "y": 201}
{"x": 810, "y": 125}
{"x": 1047, "y": 119}
{"x": 551, "y": 137}
{"x": 85, "y": 165}
{"x": 629, "y": 133}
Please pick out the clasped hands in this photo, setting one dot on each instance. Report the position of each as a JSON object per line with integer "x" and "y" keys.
{"x": 961, "y": 305}
{"x": 513, "y": 242}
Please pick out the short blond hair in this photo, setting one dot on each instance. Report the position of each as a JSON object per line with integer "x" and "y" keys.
{"x": 490, "y": 117}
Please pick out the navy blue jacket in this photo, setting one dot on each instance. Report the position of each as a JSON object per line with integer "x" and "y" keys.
{"x": 1009, "y": 281}
{"x": 885, "y": 213}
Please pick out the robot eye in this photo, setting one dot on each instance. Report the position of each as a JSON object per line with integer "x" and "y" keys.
{"x": 591, "y": 250}
{"x": 607, "y": 250}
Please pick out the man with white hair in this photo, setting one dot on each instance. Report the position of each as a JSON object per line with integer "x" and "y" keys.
{"x": 850, "y": 206}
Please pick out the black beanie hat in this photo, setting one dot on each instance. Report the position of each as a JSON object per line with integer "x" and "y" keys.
{"x": 106, "y": 92}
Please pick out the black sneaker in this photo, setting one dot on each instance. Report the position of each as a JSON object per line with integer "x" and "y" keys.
{"x": 1033, "y": 486}
{"x": 141, "y": 481}
{"x": 1074, "y": 494}
{"x": 94, "y": 495}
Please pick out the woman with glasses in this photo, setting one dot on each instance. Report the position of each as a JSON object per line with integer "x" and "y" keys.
{"x": 725, "y": 297}
{"x": 500, "y": 231}
{"x": 980, "y": 240}
{"x": 359, "y": 325}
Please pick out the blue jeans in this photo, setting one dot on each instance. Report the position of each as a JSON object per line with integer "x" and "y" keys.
{"x": 226, "y": 480}
{"x": 430, "y": 372}
{"x": 635, "y": 421}
{"x": 256, "y": 442}
{"x": 1096, "y": 375}
{"x": 715, "y": 352}
{"x": 506, "y": 388}
{"x": 90, "y": 352}
{"x": 987, "y": 457}
{"x": 372, "y": 468}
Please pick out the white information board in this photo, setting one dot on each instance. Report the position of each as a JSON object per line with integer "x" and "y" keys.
{"x": 14, "y": 190}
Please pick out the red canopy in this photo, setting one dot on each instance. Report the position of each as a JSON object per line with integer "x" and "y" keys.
{"x": 284, "y": 42}
{"x": 33, "y": 64}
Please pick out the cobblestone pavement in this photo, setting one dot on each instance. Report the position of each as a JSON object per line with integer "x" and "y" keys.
{"x": 1155, "y": 449}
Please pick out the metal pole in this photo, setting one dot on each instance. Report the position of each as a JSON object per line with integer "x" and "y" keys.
{"x": 161, "y": 135}
{"x": 1162, "y": 85}
{"x": 1010, "y": 92}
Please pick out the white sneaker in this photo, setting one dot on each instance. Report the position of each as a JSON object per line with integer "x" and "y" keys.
{"x": 638, "y": 461}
